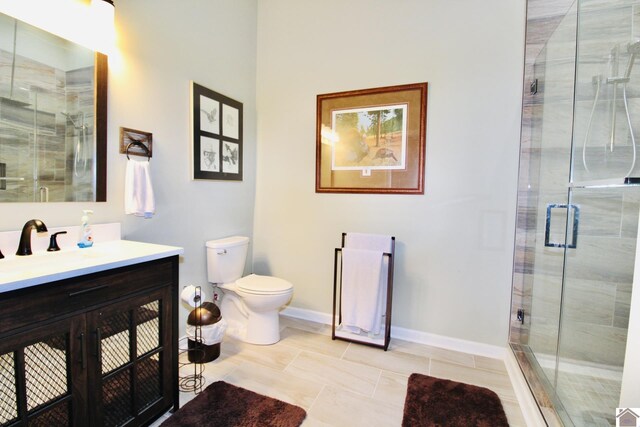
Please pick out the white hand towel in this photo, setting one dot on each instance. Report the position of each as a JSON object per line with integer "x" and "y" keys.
{"x": 138, "y": 191}
{"x": 361, "y": 289}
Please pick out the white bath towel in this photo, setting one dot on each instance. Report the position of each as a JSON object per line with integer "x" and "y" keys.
{"x": 361, "y": 290}
{"x": 372, "y": 242}
{"x": 138, "y": 191}
{"x": 381, "y": 243}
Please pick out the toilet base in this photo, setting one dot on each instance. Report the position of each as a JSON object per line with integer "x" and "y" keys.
{"x": 261, "y": 328}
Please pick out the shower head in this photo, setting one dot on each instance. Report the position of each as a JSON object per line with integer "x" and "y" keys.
{"x": 72, "y": 118}
{"x": 634, "y": 50}
{"x": 69, "y": 117}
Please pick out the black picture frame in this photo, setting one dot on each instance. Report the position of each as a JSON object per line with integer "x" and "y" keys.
{"x": 216, "y": 135}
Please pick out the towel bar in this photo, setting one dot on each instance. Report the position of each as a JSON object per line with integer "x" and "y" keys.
{"x": 140, "y": 144}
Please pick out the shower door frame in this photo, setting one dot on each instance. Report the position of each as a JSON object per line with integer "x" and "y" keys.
{"x": 545, "y": 389}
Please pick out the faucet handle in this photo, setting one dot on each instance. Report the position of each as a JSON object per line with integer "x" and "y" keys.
{"x": 53, "y": 242}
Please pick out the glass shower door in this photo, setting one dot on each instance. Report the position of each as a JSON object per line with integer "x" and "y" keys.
{"x": 547, "y": 196}
{"x": 598, "y": 276}
{"x": 598, "y": 273}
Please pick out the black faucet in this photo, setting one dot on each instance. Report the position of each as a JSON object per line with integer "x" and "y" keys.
{"x": 24, "y": 248}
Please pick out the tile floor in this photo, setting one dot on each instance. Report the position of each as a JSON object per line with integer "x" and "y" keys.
{"x": 589, "y": 400}
{"x": 345, "y": 384}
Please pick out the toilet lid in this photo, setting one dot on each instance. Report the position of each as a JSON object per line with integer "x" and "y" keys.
{"x": 256, "y": 284}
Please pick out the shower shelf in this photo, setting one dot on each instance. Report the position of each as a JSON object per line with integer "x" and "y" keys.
{"x": 629, "y": 181}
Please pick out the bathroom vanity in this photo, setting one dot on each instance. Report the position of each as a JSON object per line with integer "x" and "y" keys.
{"x": 94, "y": 344}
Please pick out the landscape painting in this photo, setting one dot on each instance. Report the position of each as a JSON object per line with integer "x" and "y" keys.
{"x": 372, "y": 138}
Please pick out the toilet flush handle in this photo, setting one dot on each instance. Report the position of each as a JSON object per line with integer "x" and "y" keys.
{"x": 223, "y": 252}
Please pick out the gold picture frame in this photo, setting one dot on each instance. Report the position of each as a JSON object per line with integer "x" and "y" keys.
{"x": 372, "y": 140}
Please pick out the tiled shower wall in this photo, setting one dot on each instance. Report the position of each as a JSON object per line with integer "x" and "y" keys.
{"x": 49, "y": 92}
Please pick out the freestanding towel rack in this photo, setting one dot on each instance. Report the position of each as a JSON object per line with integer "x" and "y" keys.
{"x": 377, "y": 341}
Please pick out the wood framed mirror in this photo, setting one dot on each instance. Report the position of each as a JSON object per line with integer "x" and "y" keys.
{"x": 53, "y": 117}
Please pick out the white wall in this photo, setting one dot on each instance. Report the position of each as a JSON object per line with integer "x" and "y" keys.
{"x": 454, "y": 244}
{"x": 163, "y": 45}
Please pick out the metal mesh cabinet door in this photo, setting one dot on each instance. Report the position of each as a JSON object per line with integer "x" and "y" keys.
{"x": 129, "y": 367}
{"x": 42, "y": 376}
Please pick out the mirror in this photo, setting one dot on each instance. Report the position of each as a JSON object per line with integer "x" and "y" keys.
{"x": 53, "y": 117}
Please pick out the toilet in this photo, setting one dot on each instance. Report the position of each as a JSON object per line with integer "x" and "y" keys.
{"x": 250, "y": 304}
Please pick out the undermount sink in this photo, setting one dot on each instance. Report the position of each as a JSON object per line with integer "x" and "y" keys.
{"x": 18, "y": 272}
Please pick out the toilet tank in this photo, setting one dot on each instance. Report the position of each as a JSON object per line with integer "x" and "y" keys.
{"x": 226, "y": 258}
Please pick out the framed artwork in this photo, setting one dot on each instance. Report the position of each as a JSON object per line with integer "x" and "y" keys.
{"x": 372, "y": 140}
{"x": 216, "y": 135}
{"x": 135, "y": 142}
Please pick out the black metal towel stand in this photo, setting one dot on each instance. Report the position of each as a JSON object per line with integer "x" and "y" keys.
{"x": 337, "y": 306}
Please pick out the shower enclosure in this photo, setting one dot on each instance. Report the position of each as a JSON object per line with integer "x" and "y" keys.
{"x": 578, "y": 206}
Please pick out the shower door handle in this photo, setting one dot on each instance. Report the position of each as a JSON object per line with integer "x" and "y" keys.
{"x": 576, "y": 221}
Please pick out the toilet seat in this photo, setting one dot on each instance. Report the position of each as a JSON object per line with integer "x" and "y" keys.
{"x": 263, "y": 285}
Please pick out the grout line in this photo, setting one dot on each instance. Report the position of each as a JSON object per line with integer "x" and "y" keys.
{"x": 316, "y": 399}
{"x": 345, "y": 351}
{"x": 377, "y": 384}
{"x": 292, "y": 360}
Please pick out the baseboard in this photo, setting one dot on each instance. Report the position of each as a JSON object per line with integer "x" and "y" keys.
{"x": 528, "y": 406}
{"x": 310, "y": 315}
{"x": 419, "y": 337}
{"x": 441, "y": 341}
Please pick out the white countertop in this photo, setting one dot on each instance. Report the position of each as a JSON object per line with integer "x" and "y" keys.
{"x": 18, "y": 272}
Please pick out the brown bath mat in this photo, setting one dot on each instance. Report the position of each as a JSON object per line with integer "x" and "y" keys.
{"x": 225, "y": 405}
{"x": 432, "y": 402}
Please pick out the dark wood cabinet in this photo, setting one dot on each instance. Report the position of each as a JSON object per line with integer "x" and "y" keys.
{"x": 101, "y": 349}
